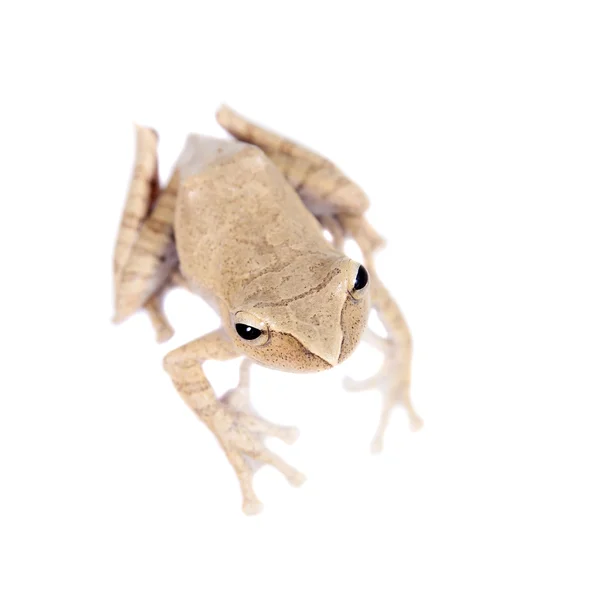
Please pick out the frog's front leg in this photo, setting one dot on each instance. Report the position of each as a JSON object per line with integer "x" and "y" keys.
{"x": 231, "y": 419}
{"x": 238, "y": 399}
{"x": 393, "y": 379}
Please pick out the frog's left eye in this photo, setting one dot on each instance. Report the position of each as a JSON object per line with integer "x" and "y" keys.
{"x": 361, "y": 283}
{"x": 250, "y": 329}
{"x": 362, "y": 278}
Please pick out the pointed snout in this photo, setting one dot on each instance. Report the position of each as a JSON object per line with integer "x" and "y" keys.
{"x": 330, "y": 357}
{"x": 328, "y": 347}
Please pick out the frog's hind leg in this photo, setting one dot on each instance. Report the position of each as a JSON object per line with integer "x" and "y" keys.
{"x": 322, "y": 186}
{"x": 337, "y": 201}
{"x": 154, "y": 307}
{"x": 143, "y": 190}
{"x": 331, "y": 225}
{"x": 145, "y": 255}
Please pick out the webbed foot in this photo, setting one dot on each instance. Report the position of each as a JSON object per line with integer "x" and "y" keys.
{"x": 241, "y": 433}
{"x": 393, "y": 381}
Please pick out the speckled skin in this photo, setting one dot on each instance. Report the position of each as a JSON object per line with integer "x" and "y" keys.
{"x": 241, "y": 224}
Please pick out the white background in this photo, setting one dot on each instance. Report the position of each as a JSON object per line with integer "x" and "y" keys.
{"x": 475, "y": 129}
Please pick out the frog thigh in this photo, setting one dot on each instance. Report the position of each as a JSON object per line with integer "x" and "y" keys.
{"x": 153, "y": 257}
{"x": 143, "y": 190}
{"x": 145, "y": 254}
{"x": 323, "y": 187}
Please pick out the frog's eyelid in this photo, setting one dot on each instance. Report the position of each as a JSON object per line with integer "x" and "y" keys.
{"x": 244, "y": 318}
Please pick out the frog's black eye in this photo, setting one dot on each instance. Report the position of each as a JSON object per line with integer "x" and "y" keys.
{"x": 360, "y": 285}
{"x": 246, "y": 332}
{"x": 250, "y": 328}
{"x": 362, "y": 278}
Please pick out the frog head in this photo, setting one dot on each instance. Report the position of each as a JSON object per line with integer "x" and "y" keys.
{"x": 308, "y": 316}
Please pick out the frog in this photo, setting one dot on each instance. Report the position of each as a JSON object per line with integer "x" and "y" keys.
{"x": 256, "y": 225}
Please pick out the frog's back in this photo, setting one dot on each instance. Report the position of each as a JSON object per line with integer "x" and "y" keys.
{"x": 237, "y": 217}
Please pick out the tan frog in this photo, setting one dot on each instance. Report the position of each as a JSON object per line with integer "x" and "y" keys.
{"x": 241, "y": 223}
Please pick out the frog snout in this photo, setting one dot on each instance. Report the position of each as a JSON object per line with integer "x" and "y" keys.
{"x": 330, "y": 356}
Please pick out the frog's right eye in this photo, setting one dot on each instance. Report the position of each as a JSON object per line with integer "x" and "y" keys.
{"x": 250, "y": 329}
{"x": 247, "y": 332}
